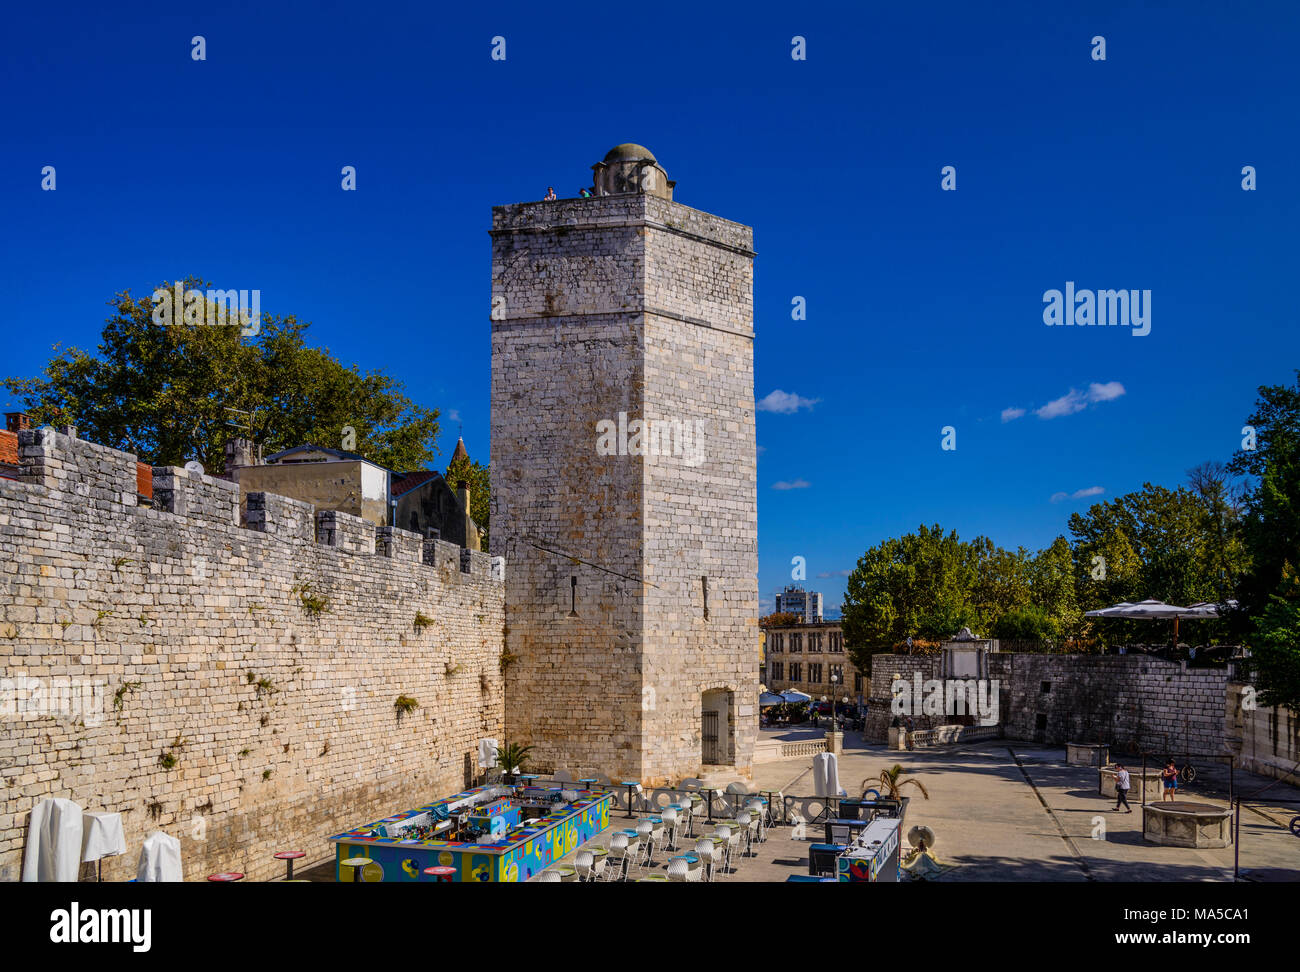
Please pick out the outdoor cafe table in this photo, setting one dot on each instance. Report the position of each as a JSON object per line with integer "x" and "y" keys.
{"x": 567, "y": 872}
{"x": 631, "y": 786}
{"x": 654, "y": 877}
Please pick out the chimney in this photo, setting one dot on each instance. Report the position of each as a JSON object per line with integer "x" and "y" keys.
{"x": 17, "y": 421}
{"x": 462, "y": 494}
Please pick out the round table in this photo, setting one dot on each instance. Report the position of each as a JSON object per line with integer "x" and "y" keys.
{"x": 440, "y": 872}
{"x": 589, "y": 780}
{"x": 226, "y": 876}
{"x": 357, "y": 863}
{"x": 289, "y": 857}
{"x": 567, "y": 872}
{"x": 631, "y": 786}
{"x": 654, "y": 877}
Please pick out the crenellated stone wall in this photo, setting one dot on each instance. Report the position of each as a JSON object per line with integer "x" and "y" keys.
{"x": 231, "y": 683}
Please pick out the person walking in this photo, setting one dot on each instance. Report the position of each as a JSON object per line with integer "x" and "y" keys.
{"x": 1169, "y": 776}
{"x": 1122, "y": 784}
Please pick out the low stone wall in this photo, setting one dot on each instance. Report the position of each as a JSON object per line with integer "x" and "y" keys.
{"x": 1264, "y": 740}
{"x": 941, "y": 736}
{"x": 1131, "y": 701}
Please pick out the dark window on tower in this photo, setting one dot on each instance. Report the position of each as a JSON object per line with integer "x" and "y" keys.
{"x": 1046, "y": 687}
{"x": 704, "y": 586}
{"x": 1041, "y": 722}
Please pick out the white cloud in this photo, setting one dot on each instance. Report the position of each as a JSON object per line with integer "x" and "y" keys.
{"x": 1068, "y": 404}
{"x": 1105, "y": 393}
{"x": 1076, "y": 401}
{"x": 797, "y": 484}
{"x": 1011, "y": 414}
{"x": 453, "y": 415}
{"x": 1078, "y": 494}
{"x": 784, "y": 403}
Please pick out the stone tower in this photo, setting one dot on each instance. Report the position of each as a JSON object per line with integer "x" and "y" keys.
{"x": 623, "y": 477}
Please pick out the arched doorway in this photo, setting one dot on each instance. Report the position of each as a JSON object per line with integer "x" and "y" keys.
{"x": 717, "y": 727}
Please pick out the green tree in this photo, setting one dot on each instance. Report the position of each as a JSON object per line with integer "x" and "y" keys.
{"x": 479, "y": 480}
{"x": 1268, "y": 590}
{"x": 162, "y": 391}
{"x": 1053, "y": 591}
{"x": 926, "y": 584}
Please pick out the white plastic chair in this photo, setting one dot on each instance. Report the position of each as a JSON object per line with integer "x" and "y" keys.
{"x": 618, "y": 854}
{"x": 635, "y": 848}
{"x": 562, "y": 776}
{"x": 678, "y": 870}
{"x": 671, "y": 824}
{"x": 704, "y": 848}
{"x": 749, "y": 823}
{"x": 732, "y": 841}
{"x": 550, "y": 877}
{"x": 585, "y": 864}
{"x": 646, "y": 833}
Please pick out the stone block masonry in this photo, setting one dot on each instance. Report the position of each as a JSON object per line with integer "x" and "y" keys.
{"x": 632, "y": 598}
{"x": 249, "y": 672}
{"x": 1130, "y": 701}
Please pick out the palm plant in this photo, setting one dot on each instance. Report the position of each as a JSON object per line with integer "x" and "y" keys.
{"x": 891, "y": 781}
{"x": 512, "y": 758}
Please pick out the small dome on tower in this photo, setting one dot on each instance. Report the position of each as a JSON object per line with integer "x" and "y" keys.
{"x": 631, "y": 168}
{"x": 629, "y": 152}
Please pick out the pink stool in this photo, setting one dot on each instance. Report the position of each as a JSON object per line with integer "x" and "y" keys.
{"x": 289, "y": 857}
{"x": 226, "y": 876}
{"x": 441, "y": 873}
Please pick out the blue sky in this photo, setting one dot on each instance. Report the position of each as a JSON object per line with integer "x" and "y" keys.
{"x": 924, "y": 306}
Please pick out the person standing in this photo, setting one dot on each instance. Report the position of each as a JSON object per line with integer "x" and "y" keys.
{"x": 1122, "y": 784}
{"x": 550, "y": 194}
{"x": 1169, "y": 776}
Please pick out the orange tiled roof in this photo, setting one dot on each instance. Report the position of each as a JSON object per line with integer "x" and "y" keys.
{"x": 8, "y": 448}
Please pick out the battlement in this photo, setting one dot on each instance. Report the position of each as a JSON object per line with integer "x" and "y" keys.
{"x": 246, "y": 665}
{"x": 105, "y": 480}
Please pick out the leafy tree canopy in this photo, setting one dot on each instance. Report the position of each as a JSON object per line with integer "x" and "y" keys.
{"x": 162, "y": 391}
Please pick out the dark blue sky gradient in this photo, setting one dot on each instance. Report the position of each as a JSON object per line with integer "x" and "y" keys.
{"x": 924, "y": 307}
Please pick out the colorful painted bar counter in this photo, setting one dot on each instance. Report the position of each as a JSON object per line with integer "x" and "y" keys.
{"x": 523, "y": 831}
{"x": 873, "y": 856}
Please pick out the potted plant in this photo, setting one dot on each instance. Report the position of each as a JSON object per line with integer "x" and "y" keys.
{"x": 892, "y": 782}
{"x": 512, "y": 758}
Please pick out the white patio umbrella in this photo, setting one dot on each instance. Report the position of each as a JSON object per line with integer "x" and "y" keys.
{"x": 769, "y": 698}
{"x": 1153, "y": 610}
{"x": 794, "y": 695}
